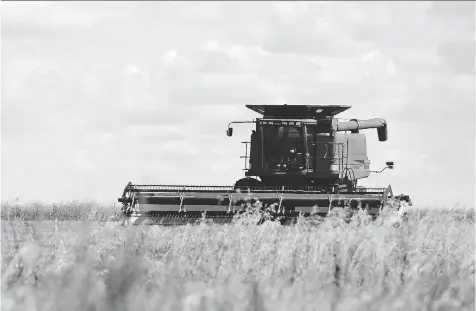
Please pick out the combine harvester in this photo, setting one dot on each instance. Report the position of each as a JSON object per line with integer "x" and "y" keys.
{"x": 300, "y": 160}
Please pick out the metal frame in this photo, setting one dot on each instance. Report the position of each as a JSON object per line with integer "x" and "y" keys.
{"x": 246, "y": 157}
{"x": 341, "y": 156}
{"x": 180, "y": 190}
{"x": 206, "y": 195}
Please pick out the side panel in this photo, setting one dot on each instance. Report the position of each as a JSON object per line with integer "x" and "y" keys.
{"x": 355, "y": 154}
{"x": 255, "y": 150}
{"x": 323, "y": 152}
{"x": 320, "y": 148}
{"x": 311, "y": 147}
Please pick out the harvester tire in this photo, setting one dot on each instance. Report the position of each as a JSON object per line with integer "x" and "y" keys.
{"x": 246, "y": 182}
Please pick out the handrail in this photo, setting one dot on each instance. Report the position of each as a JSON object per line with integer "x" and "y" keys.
{"x": 337, "y": 154}
{"x": 180, "y": 189}
{"x": 245, "y": 157}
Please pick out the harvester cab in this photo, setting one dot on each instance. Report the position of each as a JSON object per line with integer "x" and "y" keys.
{"x": 306, "y": 146}
{"x": 300, "y": 159}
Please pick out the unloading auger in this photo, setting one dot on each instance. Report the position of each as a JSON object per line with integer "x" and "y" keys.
{"x": 300, "y": 160}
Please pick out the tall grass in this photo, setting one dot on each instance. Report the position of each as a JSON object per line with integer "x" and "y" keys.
{"x": 73, "y": 211}
{"x": 423, "y": 263}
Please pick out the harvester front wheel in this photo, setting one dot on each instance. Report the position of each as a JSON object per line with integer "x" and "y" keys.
{"x": 245, "y": 183}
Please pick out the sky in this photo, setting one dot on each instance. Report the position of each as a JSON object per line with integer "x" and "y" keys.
{"x": 97, "y": 94}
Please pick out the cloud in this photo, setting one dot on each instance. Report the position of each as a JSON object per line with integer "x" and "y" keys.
{"x": 203, "y": 11}
{"x": 458, "y": 57}
{"x": 291, "y": 10}
{"x": 221, "y": 166}
{"x": 460, "y": 10}
{"x": 41, "y": 20}
{"x": 169, "y": 56}
{"x": 82, "y": 160}
{"x": 180, "y": 147}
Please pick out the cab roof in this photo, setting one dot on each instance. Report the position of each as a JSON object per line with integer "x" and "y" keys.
{"x": 298, "y": 111}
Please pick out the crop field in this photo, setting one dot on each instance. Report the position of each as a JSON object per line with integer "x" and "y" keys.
{"x": 79, "y": 257}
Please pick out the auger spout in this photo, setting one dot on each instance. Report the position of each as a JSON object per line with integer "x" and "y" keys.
{"x": 355, "y": 125}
